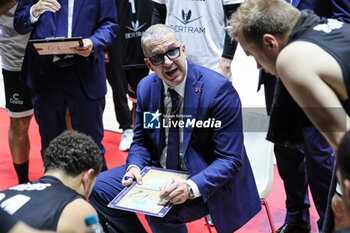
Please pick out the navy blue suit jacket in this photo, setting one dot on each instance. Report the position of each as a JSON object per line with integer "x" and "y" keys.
{"x": 215, "y": 158}
{"x": 93, "y": 19}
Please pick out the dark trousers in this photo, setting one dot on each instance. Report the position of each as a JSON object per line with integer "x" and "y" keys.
{"x": 310, "y": 165}
{"x": 63, "y": 92}
{"x": 108, "y": 185}
{"x": 328, "y": 224}
{"x": 299, "y": 167}
{"x": 117, "y": 79}
{"x": 122, "y": 81}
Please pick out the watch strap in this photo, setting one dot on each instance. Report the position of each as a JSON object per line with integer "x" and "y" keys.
{"x": 190, "y": 191}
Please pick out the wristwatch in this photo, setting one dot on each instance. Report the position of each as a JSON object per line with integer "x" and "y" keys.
{"x": 190, "y": 191}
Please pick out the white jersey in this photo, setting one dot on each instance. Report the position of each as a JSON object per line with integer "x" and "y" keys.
{"x": 12, "y": 44}
{"x": 200, "y": 25}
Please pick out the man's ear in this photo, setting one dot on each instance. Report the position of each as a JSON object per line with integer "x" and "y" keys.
{"x": 148, "y": 63}
{"x": 86, "y": 177}
{"x": 183, "y": 49}
{"x": 270, "y": 41}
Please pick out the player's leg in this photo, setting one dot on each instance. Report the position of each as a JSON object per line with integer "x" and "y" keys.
{"x": 175, "y": 220}
{"x": 134, "y": 76}
{"x": 291, "y": 167}
{"x": 117, "y": 79}
{"x": 20, "y": 110}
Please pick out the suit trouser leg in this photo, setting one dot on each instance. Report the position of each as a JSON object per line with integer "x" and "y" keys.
{"x": 107, "y": 186}
{"x": 50, "y": 111}
{"x": 62, "y": 92}
{"x": 86, "y": 114}
{"x": 319, "y": 163}
{"x": 316, "y": 166}
{"x": 175, "y": 220}
{"x": 328, "y": 223}
{"x": 291, "y": 167}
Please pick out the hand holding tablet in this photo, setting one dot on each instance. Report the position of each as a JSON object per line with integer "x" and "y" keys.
{"x": 57, "y": 45}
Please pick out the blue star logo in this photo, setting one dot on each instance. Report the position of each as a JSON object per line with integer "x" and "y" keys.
{"x": 151, "y": 120}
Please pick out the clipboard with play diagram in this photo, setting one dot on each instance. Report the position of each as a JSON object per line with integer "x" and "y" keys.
{"x": 56, "y": 45}
{"x": 145, "y": 198}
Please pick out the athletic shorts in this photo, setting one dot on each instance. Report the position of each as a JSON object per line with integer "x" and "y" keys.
{"x": 133, "y": 77}
{"x": 17, "y": 95}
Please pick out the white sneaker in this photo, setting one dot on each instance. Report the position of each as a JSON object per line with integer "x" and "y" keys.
{"x": 126, "y": 140}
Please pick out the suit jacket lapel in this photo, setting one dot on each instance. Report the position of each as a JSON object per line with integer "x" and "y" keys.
{"x": 53, "y": 16}
{"x": 50, "y": 20}
{"x": 193, "y": 92}
{"x": 156, "y": 95}
{"x": 157, "y": 104}
{"x": 76, "y": 10}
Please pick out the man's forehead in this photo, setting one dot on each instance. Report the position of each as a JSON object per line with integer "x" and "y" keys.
{"x": 163, "y": 48}
{"x": 241, "y": 38}
{"x": 161, "y": 45}
{"x": 247, "y": 46}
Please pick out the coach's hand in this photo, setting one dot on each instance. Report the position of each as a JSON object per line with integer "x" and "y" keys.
{"x": 132, "y": 174}
{"x": 84, "y": 50}
{"x": 177, "y": 193}
{"x": 45, "y": 5}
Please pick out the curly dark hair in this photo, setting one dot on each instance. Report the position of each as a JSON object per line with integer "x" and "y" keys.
{"x": 73, "y": 152}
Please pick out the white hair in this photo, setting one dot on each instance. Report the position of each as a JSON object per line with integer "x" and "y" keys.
{"x": 156, "y": 32}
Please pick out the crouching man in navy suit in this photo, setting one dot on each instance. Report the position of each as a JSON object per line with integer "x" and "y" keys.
{"x": 221, "y": 181}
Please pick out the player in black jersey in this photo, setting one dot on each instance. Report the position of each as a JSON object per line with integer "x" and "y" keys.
{"x": 311, "y": 56}
{"x": 57, "y": 201}
{"x": 124, "y": 61}
{"x": 9, "y": 224}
